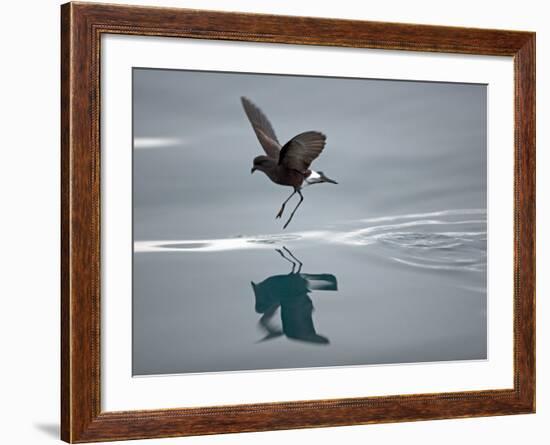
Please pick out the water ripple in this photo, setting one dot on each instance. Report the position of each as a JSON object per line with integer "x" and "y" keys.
{"x": 442, "y": 240}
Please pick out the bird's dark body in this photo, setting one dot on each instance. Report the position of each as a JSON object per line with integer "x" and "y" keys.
{"x": 284, "y": 176}
{"x": 288, "y": 164}
{"x": 291, "y": 177}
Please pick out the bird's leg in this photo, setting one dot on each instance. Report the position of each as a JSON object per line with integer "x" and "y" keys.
{"x": 283, "y": 255}
{"x": 281, "y": 210}
{"x": 295, "y": 259}
{"x": 295, "y": 208}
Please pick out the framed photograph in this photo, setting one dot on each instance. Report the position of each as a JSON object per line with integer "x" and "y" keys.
{"x": 274, "y": 222}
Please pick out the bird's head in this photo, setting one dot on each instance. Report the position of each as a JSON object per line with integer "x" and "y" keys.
{"x": 261, "y": 163}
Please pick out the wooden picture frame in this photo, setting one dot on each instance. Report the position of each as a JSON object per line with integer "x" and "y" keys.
{"x": 82, "y": 25}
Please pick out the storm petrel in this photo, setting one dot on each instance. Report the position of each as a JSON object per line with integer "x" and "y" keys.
{"x": 288, "y": 164}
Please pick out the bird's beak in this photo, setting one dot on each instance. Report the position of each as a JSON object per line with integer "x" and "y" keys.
{"x": 252, "y": 170}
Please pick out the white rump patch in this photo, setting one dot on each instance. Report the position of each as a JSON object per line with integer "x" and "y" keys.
{"x": 313, "y": 178}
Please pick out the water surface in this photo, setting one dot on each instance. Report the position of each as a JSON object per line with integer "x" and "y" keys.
{"x": 388, "y": 266}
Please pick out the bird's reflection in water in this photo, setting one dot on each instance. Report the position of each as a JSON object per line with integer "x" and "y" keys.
{"x": 290, "y": 293}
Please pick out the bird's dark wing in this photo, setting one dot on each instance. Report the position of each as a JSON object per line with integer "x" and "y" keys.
{"x": 301, "y": 150}
{"x": 263, "y": 129}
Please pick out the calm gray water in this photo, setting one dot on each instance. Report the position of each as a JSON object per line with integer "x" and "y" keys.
{"x": 388, "y": 266}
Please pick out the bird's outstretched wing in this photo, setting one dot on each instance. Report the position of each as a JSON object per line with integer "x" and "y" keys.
{"x": 301, "y": 150}
{"x": 263, "y": 129}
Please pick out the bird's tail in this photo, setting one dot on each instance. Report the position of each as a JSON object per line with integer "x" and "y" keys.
{"x": 326, "y": 179}
{"x": 318, "y": 178}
